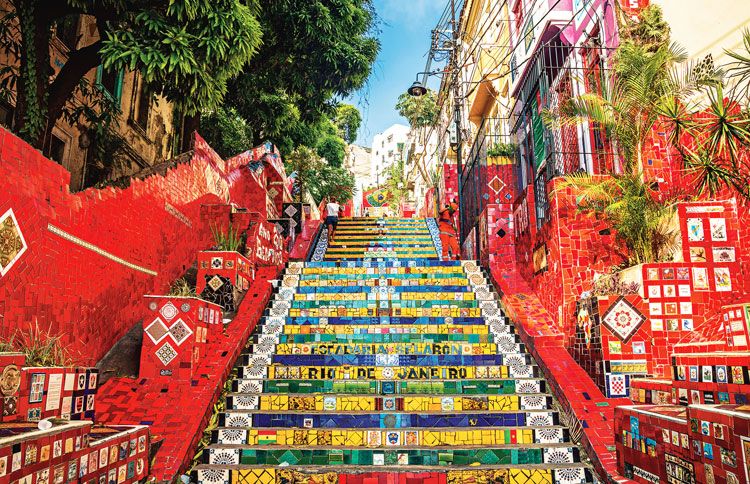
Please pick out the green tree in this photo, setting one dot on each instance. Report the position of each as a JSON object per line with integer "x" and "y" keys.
{"x": 186, "y": 50}
{"x": 306, "y": 164}
{"x": 348, "y": 120}
{"x": 227, "y": 130}
{"x": 333, "y": 181}
{"x": 333, "y": 149}
{"x": 314, "y": 51}
{"x": 420, "y": 111}
{"x": 395, "y": 184}
{"x": 318, "y": 177}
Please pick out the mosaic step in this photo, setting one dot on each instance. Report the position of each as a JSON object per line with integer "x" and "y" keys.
{"x": 318, "y": 360}
{"x": 260, "y": 369}
{"x": 406, "y": 387}
{"x": 564, "y": 474}
{"x": 379, "y": 437}
{"x": 376, "y": 358}
{"x": 378, "y": 323}
{"x": 317, "y": 456}
{"x": 366, "y": 403}
{"x": 390, "y": 419}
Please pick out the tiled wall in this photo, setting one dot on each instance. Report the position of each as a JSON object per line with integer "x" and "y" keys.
{"x": 77, "y": 263}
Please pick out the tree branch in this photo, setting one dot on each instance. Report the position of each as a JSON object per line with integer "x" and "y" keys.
{"x": 79, "y": 63}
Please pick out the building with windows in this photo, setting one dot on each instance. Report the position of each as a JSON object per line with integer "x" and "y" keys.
{"x": 357, "y": 161}
{"x": 147, "y": 131}
{"x": 387, "y": 148}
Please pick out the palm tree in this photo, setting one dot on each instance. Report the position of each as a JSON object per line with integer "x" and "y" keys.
{"x": 631, "y": 100}
{"x": 642, "y": 224}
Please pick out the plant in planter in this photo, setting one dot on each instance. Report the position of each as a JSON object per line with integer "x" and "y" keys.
{"x": 501, "y": 153}
{"x": 224, "y": 273}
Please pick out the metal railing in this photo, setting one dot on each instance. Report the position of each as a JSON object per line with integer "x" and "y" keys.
{"x": 474, "y": 179}
{"x": 557, "y": 74}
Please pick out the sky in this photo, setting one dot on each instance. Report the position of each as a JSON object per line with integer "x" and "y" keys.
{"x": 405, "y": 39}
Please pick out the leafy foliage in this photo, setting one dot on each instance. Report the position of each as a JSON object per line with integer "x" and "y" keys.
{"x": 229, "y": 239}
{"x": 333, "y": 149}
{"x": 321, "y": 179}
{"x": 305, "y": 164}
{"x": 348, "y": 120}
{"x": 42, "y": 348}
{"x": 333, "y": 181}
{"x": 314, "y": 51}
{"x": 182, "y": 288}
{"x": 642, "y": 223}
{"x": 420, "y": 111}
{"x": 395, "y": 184}
{"x": 186, "y": 50}
{"x": 228, "y": 132}
{"x": 502, "y": 149}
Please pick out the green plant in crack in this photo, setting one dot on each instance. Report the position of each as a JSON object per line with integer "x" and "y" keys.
{"x": 181, "y": 288}
{"x": 228, "y": 240}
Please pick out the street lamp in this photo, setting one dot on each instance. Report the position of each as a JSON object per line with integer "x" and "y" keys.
{"x": 417, "y": 89}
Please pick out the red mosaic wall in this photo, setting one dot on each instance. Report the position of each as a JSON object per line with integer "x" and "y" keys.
{"x": 154, "y": 224}
{"x": 565, "y": 253}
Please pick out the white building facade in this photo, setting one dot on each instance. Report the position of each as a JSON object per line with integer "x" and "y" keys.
{"x": 359, "y": 162}
{"x": 387, "y": 148}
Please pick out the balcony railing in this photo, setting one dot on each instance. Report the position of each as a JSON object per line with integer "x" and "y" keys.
{"x": 559, "y": 73}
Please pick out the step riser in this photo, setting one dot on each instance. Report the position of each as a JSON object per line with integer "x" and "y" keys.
{"x": 378, "y": 438}
{"x": 397, "y": 360}
{"x": 414, "y": 457}
{"x": 360, "y": 403}
{"x": 476, "y": 387}
{"x": 385, "y": 373}
{"x": 248, "y": 419}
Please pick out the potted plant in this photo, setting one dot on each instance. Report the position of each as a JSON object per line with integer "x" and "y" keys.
{"x": 501, "y": 153}
{"x": 224, "y": 272}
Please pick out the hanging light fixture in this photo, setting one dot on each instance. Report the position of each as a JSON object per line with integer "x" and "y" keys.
{"x": 417, "y": 89}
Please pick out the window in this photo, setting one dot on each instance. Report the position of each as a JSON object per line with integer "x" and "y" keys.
{"x": 66, "y": 29}
{"x": 57, "y": 150}
{"x": 110, "y": 82}
{"x": 141, "y": 103}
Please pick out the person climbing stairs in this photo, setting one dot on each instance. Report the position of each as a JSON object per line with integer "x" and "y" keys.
{"x": 378, "y": 362}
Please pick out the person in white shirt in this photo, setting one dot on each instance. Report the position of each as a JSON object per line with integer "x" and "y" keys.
{"x": 332, "y": 217}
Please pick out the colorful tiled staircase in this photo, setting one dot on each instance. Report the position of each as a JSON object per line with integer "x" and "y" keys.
{"x": 382, "y": 364}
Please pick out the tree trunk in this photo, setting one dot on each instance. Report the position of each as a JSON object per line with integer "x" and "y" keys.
{"x": 190, "y": 126}
{"x": 61, "y": 90}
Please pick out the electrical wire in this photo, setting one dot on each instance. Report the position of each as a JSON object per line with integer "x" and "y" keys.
{"x": 502, "y": 62}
